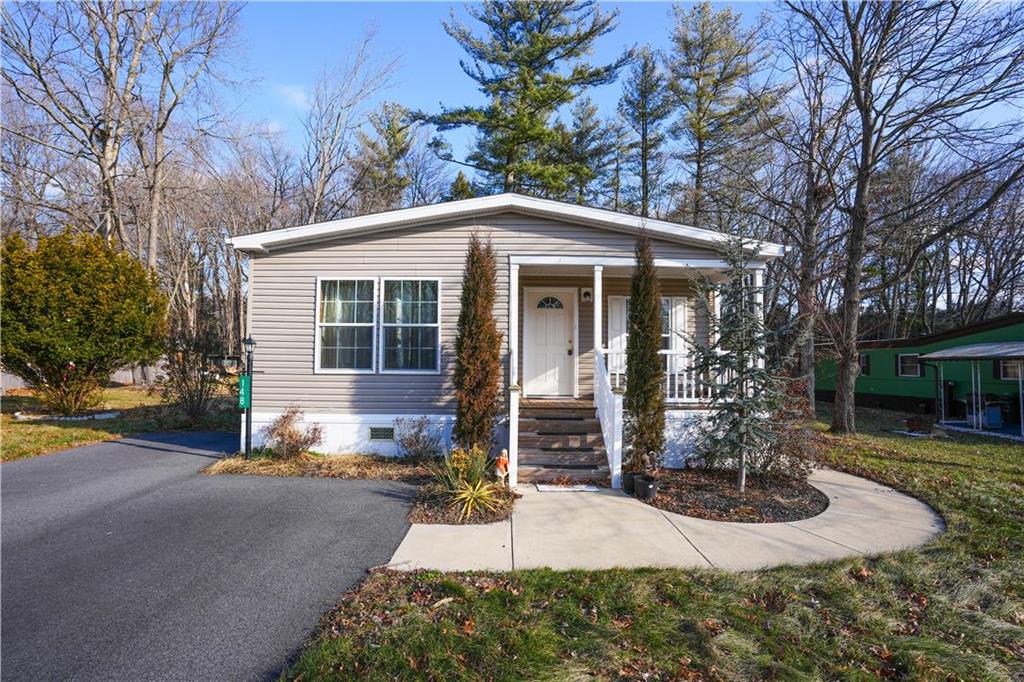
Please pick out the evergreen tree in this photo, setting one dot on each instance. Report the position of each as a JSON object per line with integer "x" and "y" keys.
{"x": 588, "y": 150}
{"x": 73, "y": 310}
{"x": 378, "y": 181}
{"x": 746, "y": 397}
{"x": 646, "y": 106}
{"x": 529, "y": 62}
{"x": 460, "y": 189}
{"x": 477, "y": 349}
{"x": 644, "y": 402}
{"x": 711, "y": 62}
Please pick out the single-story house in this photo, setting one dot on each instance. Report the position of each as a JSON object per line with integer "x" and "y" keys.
{"x": 355, "y": 323}
{"x": 893, "y": 376}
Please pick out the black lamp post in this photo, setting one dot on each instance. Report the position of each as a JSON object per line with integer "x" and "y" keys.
{"x": 250, "y": 346}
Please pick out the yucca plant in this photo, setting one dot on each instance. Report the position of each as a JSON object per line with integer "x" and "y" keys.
{"x": 473, "y": 497}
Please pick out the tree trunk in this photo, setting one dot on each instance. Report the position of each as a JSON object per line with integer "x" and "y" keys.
{"x": 847, "y": 367}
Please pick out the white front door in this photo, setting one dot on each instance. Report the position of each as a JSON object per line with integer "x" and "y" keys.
{"x": 549, "y": 368}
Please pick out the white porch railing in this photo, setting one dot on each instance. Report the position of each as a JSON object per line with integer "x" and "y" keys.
{"x": 608, "y": 401}
{"x": 683, "y": 383}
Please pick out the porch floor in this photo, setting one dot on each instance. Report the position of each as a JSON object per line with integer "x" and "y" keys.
{"x": 608, "y": 529}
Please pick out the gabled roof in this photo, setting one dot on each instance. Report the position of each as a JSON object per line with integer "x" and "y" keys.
{"x": 263, "y": 242}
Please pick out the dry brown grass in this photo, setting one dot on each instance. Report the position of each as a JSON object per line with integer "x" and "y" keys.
{"x": 319, "y": 466}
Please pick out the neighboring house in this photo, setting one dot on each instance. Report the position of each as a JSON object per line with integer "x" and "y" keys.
{"x": 355, "y": 323}
{"x": 891, "y": 376}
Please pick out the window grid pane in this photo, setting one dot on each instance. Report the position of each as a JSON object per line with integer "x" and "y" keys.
{"x": 410, "y": 325}
{"x": 346, "y": 324}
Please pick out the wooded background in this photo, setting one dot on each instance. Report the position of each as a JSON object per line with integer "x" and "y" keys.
{"x": 882, "y": 143}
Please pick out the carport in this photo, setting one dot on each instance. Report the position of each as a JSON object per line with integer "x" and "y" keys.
{"x": 1008, "y": 352}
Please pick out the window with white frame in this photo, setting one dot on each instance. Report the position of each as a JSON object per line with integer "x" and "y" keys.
{"x": 346, "y": 325}
{"x": 1010, "y": 369}
{"x": 410, "y": 325}
{"x": 907, "y": 365}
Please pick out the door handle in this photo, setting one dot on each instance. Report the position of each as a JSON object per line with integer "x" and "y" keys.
{"x": 570, "y": 346}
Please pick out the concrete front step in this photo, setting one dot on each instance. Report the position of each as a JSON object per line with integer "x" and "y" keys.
{"x": 535, "y": 474}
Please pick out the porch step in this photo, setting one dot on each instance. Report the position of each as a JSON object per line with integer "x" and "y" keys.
{"x": 534, "y": 474}
{"x": 551, "y": 426}
{"x": 560, "y": 440}
{"x": 589, "y": 458}
{"x": 558, "y": 413}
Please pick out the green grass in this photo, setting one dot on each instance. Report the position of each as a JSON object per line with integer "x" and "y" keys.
{"x": 953, "y": 609}
{"x": 140, "y": 409}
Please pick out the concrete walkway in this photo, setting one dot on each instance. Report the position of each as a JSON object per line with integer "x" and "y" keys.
{"x": 608, "y": 529}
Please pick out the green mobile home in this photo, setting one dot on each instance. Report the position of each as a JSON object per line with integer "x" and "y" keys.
{"x": 892, "y": 377}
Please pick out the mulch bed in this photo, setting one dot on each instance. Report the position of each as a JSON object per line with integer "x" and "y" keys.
{"x": 428, "y": 507}
{"x": 712, "y": 495}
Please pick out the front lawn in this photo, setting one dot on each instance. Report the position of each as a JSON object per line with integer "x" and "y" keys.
{"x": 952, "y": 610}
{"x": 140, "y": 409}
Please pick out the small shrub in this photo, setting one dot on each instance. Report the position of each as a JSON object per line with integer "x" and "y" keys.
{"x": 417, "y": 440}
{"x": 285, "y": 438}
{"x": 190, "y": 383}
{"x": 473, "y": 497}
{"x": 793, "y": 445}
{"x": 463, "y": 480}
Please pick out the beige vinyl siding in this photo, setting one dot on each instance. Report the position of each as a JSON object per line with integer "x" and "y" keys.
{"x": 283, "y": 299}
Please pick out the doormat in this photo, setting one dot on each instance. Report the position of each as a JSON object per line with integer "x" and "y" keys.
{"x": 581, "y": 488}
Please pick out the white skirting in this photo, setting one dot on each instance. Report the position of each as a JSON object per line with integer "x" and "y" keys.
{"x": 349, "y": 433}
{"x": 681, "y": 435}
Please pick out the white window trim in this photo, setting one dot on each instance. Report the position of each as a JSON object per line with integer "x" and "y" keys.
{"x": 679, "y": 319}
{"x": 383, "y": 325}
{"x": 1003, "y": 364}
{"x": 899, "y": 365}
{"x": 317, "y": 369}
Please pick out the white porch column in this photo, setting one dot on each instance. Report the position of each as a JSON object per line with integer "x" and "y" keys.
{"x": 598, "y": 308}
{"x": 759, "y": 301}
{"x": 513, "y": 324}
{"x": 513, "y": 374}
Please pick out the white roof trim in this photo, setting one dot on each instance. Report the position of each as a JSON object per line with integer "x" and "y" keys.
{"x": 1000, "y": 350}
{"x": 265, "y": 241}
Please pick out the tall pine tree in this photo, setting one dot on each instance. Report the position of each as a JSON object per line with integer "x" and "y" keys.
{"x": 646, "y": 106}
{"x": 477, "y": 349}
{"x": 529, "y": 62}
{"x": 712, "y": 61}
{"x": 460, "y": 189}
{"x": 377, "y": 178}
{"x": 588, "y": 148}
{"x": 644, "y": 402}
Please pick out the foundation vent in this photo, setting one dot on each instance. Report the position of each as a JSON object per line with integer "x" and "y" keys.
{"x": 382, "y": 433}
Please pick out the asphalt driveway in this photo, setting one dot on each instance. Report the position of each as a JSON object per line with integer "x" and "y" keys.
{"x": 120, "y": 561}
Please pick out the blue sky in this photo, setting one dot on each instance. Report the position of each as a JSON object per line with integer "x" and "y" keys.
{"x": 285, "y": 46}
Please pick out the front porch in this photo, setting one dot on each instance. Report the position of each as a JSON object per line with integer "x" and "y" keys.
{"x": 567, "y": 360}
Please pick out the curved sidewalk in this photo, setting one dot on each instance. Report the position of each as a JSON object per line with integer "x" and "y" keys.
{"x": 608, "y": 529}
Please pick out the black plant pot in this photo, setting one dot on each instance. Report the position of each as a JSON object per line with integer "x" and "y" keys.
{"x": 627, "y": 481}
{"x": 645, "y": 487}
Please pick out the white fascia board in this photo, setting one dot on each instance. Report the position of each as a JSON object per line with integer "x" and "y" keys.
{"x": 263, "y": 241}
{"x": 628, "y": 261}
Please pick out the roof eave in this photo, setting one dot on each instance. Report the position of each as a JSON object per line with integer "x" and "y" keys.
{"x": 263, "y": 242}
